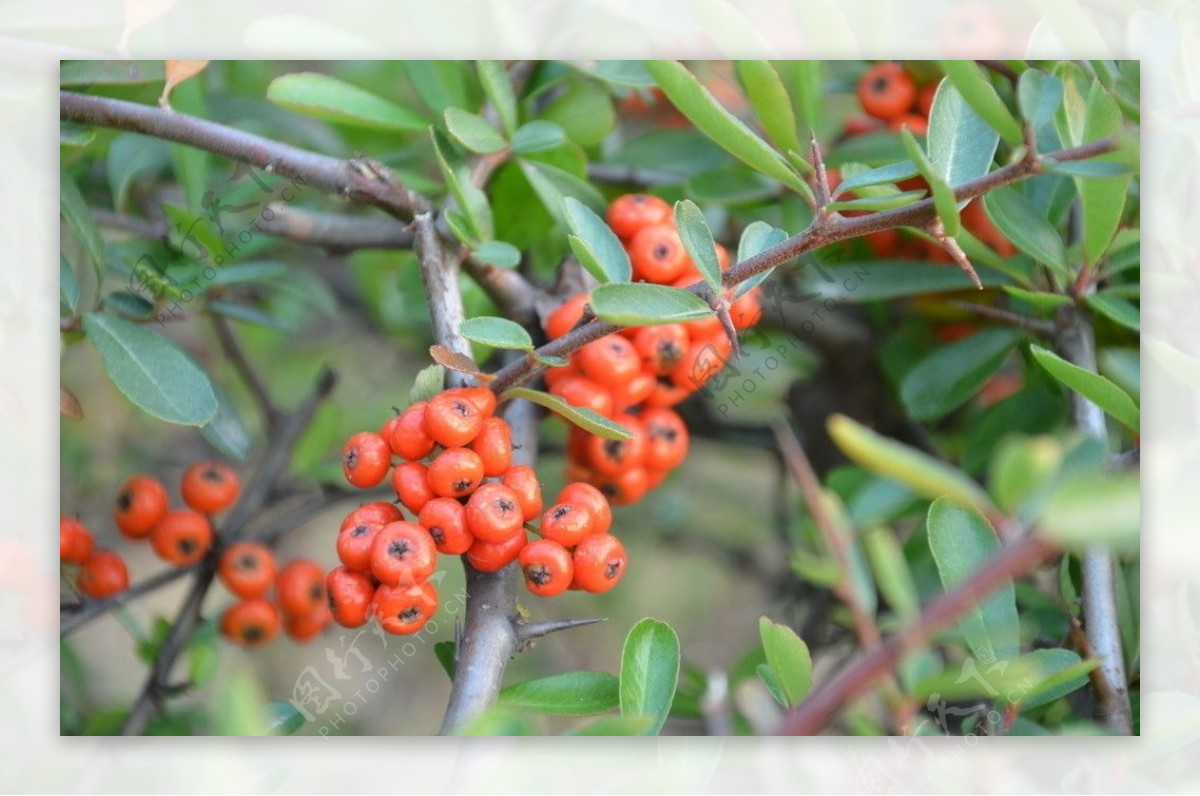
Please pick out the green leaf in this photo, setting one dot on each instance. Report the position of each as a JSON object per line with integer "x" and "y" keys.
{"x": 440, "y": 84}
{"x": 498, "y": 88}
{"x": 110, "y": 73}
{"x": 771, "y": 103}
{"x": 152, "y": 371}
{"x": 68, "y": 285}
{"x": 1102, "y": 199}
{"x": 326, "y": 97}
{"x": 238, "y": 707}
{"x": 79, "y": 219}
{"x": 962, "y": 542}
{"x": 1088, "y": 168}
{"x": 649, "y": 672}
{"x": 429, "y": 382}
{"x": 1092, "y": 509}
{"x": 1019, "y": 221}
{"x": 1051, "y": 674}
{"x": 248, "y": 272}
{"x": 473, "y": 131}
{"x": 972, "y": 84}
{"x": 203, "y": 659}
{"x": 497, "y": 333}
{"x": 444, "y": 651}
{"x": 804, "y": 78}
{"x": 961, "y": 145}
{"x": 584, "y": 112}
{"x": 616, "y": 725}
{"x": 131, "y": 156}
{"x": 892, "y": 173}
{"x": 580, "y": 416}
{"x": 943, "y": 197}
{"x": 1116, "y": 309}
{"x": 881, "y": 280}
{"x": 771, "y": 680}
{"x": 595, "y": 244}
{"x": 283, "y": 718}
{"x": 570, "y": 694}
{"x": 190, "y": 164}
{"x": 1043, "y": 301}
{"x": 1092, "y": 386}
{"x": 1022, "y": 466}
{"x": 498, "y": 721}
{"x": 471, "y": 201}
{"x": 1124, "y": 367}
{"x": 553, "y": 184}
{"x": 497, "y": 253}
{"x": 1038, "y": 95}
{"x": 875, "y": 203}
{"x": 128, "y": 305}
{"x": 698, "y": 240}
{"x": 225, "y": 431}
{"x": 892, "y": 572}
{"x": 953, "y": 374}
{"x": 646, "y": 304}
{"x": 922, "y": 473}
{"x": 789, "y": 659}
{"x": 702, "y": 109}
{"x": 623, "y": 73}
{"x": 757, "y": 237}
{"x": 536, "y": 136}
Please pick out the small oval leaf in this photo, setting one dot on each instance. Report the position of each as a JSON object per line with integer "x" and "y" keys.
{"x": 698, "y": 240}
{"x": 645, "y": 304}
{"x": 585, "y": 418}
{"x": 326, "y": 97}
{"x": 649, "y": 672}
{"x": 497, "y": 333}
{"x": 1092, "y": 386}
{"x": 789, "y": 659}
{"x": 569, "y": 694}
{"x": 595, "y": 244}
{"x": 473, "y": 132}
{"x": 971, "y": 82}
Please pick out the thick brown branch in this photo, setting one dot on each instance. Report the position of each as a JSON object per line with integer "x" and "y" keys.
{"x": 1014, "y": 561}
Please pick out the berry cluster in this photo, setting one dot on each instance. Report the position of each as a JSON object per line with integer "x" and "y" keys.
{"x": 456, "y": 477}
{"x": 183, "y": 537}
{"x": 636, "y": 375}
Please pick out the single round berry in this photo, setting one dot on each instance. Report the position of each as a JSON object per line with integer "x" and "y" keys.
{"x": 358, "y": 530}
{"x": 494, "y": 513}
{"x": 350, "y": 593}
{"x": 446, "y": 521}
{"x": 452, "y": 418}
{"x": 916, "y": 124}
{"x": 661, "y": 347}
{"x": 303, "y": 628}
{"x": 250, "y": 623}
{"x": 925, "y": 99}
{"x": 629, "y": 213}
{"x": 482, "y": 397}
{"x": 633, "y": 392}
{"x": 599, "y": 562}
{"x": 210, "y": 487}
{"x": 666, "y": 393}
{"x": 300, "y": 587}
{"x": 75, "y": 541}
{"x": 566, "y": 317}
{"x": 523, "y": 481}
{"x": 886, "y": 91}
{"x": 579, "y": 391}
{"x": 547, "y": 567}
{"x": 592, "y": 500}
{"x": 247, "y": 569}
{"x": 610, "y": 361}
{"x": 666, "y": 438}
{"x": 746, "y": 309}
{"x": 455, "y": 472}
{"x": 567, "y": 524}
{"x": 657, "y": 254}
{"x": 102, "y": 574}
{"x": 411, "y": 482}
{"x": 405, "y": 609}
{"x": 403, "y": 554}
{"x": 495, "y": 556}
{"x": 626, "y": 488}
{"x": 141, "y": 502}
{"x": 182, "y": 537}
{"x": 366, "y": 458}
{"x": 494, "y": 446}
{"x": 609, "y": 457}
{"x": 408, "y": 439}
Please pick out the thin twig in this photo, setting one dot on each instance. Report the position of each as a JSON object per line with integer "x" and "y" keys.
{"x": 824, "y": 703}
{"x": 1035, "y": 325}
{"x": 263, "y": 482}
{"x": 88, "y": 610}
{"x": 237, "y": 356}
{"x": 334, "y": 232}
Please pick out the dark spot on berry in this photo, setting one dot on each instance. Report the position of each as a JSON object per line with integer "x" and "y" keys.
{"x": 359, "y": 530}
{"x": 330, "y": 601}
{"x": 637, "y": 199}
{"x": 461, "y": 408}
{"x": 610, "y": 490}
{"x": 538, "y": 574}
{"x": 252, "y": 633}
{"x": 212, "y": 475}
{"x": 438, "y": 534}
{"x": 462, "y": 485}
{"x": 880, "y": 84}
{"x": 398, "y": 548}
{"x": 317, "y": 592}
{"x": 612, "y": 568}
{"x": 351, "y": 458}
{"x": 661, "y": 251}
{"x": 185, "y": 546}
{"x": 248, "y": 562}
{"x": 505, "y": 506}
{"x": 124, "y": 500}
{"x": 560, "y": 512}
{"x": 411, "y": 614}
{"x": 614, "y": 449}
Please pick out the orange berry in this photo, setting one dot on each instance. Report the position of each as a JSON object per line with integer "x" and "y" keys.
{"x": 403, "y": 554}
{"x": 141, "y": 503}
{"x": 102, "y": 574}
{"x": 547, "y": 567}
{"x": 862, "y": 124}
{"x": 746, "y": 309}
{"x": 566, "y": 317}
{"x": 610, "y": 361}
{"x": 402, "y": 610}
{"x": 75, "y": 541}
{"x": 408, "y": 439}
{"x": 655, "y": 477}
{"x": 182, "y": 537}
{"x": 494, "y": 513}
{"x": 358, "y": 530}
{"x": 350, "y": 594}
{"x": 917, "y": 125}
{"x": 625, "y": 488}
{"x": 629, "y": 213}
{"x": 666, "y": 439}
{"x": 305, "y": 627}
{"x": 247, "y": 569}
{"x": 592, "y": 499}
{"x": 210, "y": 487}
{"x": 704, "y": 359}
{"x": 580, "y": 391}
{"x": 453, "y": 418}
{"x": 366, "y": 458}
{"x": 657, "y": 254}
{"x": 661, "y": 347}
{"x": 494, "y": 446}
{"x": 925, "y": 99}
{"x": 455, "y": 472}
{"x": 555, "y": 375}
{"x": 483, "y": 399}
{"x": 495, "y": 556}
{"x": 568, "y": 524}
{"x": 886, "y": 91}
{"x": 411, "y": 482}
{"x": 577, "y": 445}
{"x": 600, "y": 562}
{"x": 633, "y": 392}
{"x": 523, "y": 481}
{"x": 666, "y": 393}
{"x": 250, "y": 623}
{"x": 446, "y": 521}
{"x": 613, "y": 456}
{"x": 300, "y": 587}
